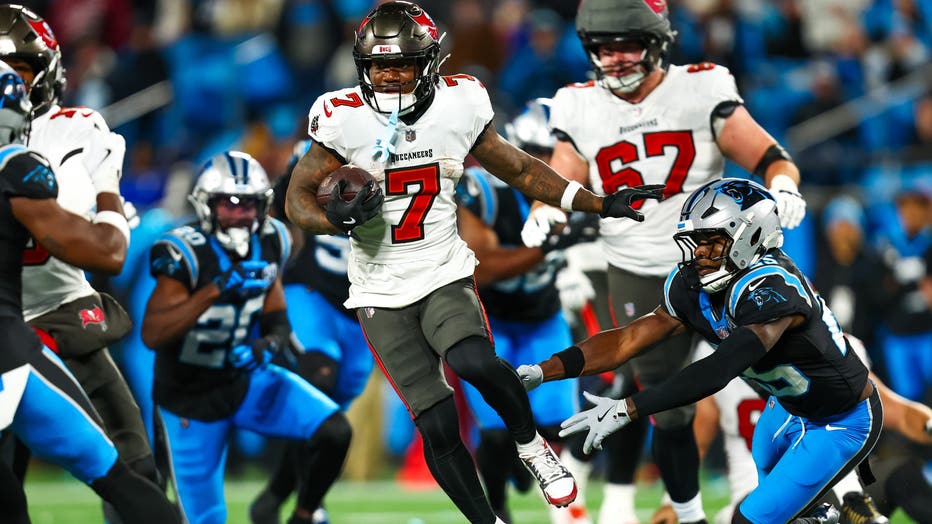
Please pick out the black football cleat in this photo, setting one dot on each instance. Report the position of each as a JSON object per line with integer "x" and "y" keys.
{"x": 859, "y": 508}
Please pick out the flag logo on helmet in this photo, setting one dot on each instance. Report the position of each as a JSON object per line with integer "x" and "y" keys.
{"x": 424, "y": 20}
{"x": 41, "y": 27}
{"x": 657, "y": 6}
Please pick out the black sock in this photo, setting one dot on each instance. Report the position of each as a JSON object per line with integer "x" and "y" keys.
{"x": 13, "y": 507}
{"x": 677, "y": 457}
{"x": 495, "y": 459}
{"x": 474, "y": 360}
{"x": 320, "y": 460}
{"x": 283, "y": 479}
{"x": 623, "y": 451}
{"x": 450, "y": 463}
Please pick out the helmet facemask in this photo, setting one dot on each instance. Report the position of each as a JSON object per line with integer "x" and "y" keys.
{"x": 736, "y": 222}
{"x": 628, "y": 76}
{"x": 398, "y": 31}
{"x": 232, "y": 180}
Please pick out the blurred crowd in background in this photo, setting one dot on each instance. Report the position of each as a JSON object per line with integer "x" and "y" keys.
{"x": 845, "y": 85}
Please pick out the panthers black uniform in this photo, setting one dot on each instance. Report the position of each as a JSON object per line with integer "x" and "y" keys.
{"x": 23, "y": 173}
{"x": 811, "y": 369}
{"x": 320, "y": 265}
{"x": 530, "y": 297}
{"x": 193, "y": 378}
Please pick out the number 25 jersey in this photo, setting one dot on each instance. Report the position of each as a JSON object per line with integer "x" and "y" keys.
{"x": 667, "y": 139}
{"x": 413, "y": 247}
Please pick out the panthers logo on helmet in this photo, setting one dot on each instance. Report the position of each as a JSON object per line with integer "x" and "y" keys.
{"x": 744, "y": 194}
{"x": 763, "y": 295}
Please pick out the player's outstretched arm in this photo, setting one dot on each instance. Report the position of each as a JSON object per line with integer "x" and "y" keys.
{"x": 94, "y": 246}
{"x": 301, "y": 200}
{"x": 537, "y": 180}
{"x": 609, "y": 349}
{"x": 911, "y": 419}
{"x": 173, "y": 310}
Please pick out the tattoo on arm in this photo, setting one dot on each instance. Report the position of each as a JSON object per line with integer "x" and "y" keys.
{"x": 301, "y": 200}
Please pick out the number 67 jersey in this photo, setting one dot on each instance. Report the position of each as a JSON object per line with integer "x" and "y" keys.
{"x": 413, "y": 247}
{"x": 665, "y": 139}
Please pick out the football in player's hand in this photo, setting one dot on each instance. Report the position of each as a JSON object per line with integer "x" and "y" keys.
{"x": 355, "y": 177}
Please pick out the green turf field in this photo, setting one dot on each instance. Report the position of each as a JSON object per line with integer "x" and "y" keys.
{"x": 63, "y": 500}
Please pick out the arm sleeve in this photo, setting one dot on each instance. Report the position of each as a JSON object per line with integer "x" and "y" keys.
{"x": 703, "y": 377}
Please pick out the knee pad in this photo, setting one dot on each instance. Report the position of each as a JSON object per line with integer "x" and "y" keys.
{"x": 333, "y": 434}
{"x": 320, "y": 370}
{"x": 440, "y": 428}
{"x": 474, "y": 359}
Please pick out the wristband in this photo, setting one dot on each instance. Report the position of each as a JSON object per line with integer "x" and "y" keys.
{"x": 566, "y": 201}
{"x": 573, "y": 361}
{"x": 116, "y": 220}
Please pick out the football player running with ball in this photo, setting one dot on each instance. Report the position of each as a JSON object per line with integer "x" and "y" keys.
{"x": 411, "y": 275}
{"x": 645, "y": 122}
{"x": 742, "y": 294}
{"x": 217, "y": 283}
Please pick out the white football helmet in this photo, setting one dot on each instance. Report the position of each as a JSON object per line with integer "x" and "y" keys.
{"x": 237, "y": 177}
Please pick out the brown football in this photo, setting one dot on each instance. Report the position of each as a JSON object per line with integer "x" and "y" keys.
{"x": 355, "y": 177}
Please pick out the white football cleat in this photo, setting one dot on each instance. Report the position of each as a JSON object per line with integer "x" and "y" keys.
{"x": 555, "y": 480}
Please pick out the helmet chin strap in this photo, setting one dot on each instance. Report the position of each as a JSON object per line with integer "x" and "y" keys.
{"x": 235, "y": 238}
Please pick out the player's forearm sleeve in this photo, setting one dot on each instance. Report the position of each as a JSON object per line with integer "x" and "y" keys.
{"x": 703, "y": 377}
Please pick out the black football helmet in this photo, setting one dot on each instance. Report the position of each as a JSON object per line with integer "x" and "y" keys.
{"x": 26, "y": 36}
{"x": 600, "y": 22}
{"x": 398, "y": 30}
{"x": 15, "y": 108}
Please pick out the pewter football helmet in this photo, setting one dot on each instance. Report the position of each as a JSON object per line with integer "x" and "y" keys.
{"x": 741, "y": 211}
{"x": 24, "y": 35}
{"x": 237, "y": 177}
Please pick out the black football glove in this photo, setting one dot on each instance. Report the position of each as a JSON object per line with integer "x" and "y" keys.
{"x": 364, "y": 206}
{"x": 581, "y": 227}
{"x": 618, "y": 204}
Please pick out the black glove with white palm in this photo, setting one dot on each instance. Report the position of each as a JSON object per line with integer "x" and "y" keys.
{"x": 606, "y": 417}
{"x": 363, "y": 207}
{"x": 618, "y": 204}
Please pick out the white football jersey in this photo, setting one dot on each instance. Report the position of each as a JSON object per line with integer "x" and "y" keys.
{"x": 665, "y": 139}
{"x": 62, "y": 135}
{"x": 413, "y": 247}
{"x": 739, "y": 408}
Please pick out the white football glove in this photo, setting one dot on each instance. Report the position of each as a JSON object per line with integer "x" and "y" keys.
{"x": 538, "y": 224}
{"x": 575, "y": 289}
{"x": 531, "y": 376}
{"x": 104, "y": 162}
{"x": 130, "y": 212}
{"x": 606, "y": 417}
{"x": 790, "y": 204}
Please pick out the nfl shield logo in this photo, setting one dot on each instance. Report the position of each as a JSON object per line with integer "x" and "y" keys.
{"x": 629, "y": 309}
{"x": 722, "y": 332}
{"x": 410, "y": 135}
{"x": 369, "y": 312}
{"x": 315, "y": 123}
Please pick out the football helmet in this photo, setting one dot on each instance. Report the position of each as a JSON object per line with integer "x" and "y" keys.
{"x": 600, "y": 22}
{"x": 530, "y": 130}
{"x": 742, "y": 212}
{"x": 237, "y": 178}
{"x": 398, "y": 30}
{"x": 15, "y": 108}
{"x": 24, "y": 35}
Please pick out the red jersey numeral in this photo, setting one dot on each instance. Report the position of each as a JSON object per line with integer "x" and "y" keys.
{"x": 655, "y": 144}
{"x": 749, "y": 410}
{"x": 701, "y": 66}
{"x": 427, "y": 180}
{"x": 351, "y": 100}
{"x": 452, "y": 79}
{"x": 35, "y": 254}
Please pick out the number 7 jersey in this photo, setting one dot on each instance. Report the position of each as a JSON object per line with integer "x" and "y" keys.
{"x": 413, "y": 247}
{"x": 665, "y": 139}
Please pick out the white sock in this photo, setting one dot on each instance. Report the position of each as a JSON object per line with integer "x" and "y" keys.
{"x": 618, "y": 504}
{"x": 847, "y": 484}
{"x": 535, "y": 443}
{"x": 690, "y": 511}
